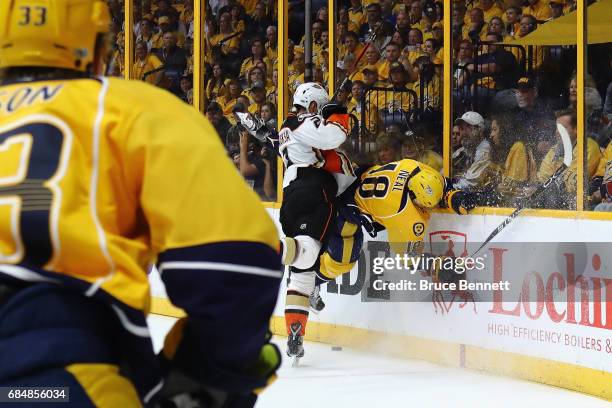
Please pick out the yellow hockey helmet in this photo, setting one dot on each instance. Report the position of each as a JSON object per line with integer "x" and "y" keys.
{"x": 51, "y": 33}
{"x": 426, "y": 186}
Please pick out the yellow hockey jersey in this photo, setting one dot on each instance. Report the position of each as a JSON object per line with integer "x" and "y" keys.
{"x": 99, "y": 178}
{"x": 383, "y": 196}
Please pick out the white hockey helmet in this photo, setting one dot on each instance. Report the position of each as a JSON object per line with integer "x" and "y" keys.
{"x": 310, "y": 92}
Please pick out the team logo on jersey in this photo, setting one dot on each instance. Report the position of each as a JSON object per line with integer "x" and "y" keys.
{"x": 418, "y": 228}
{"x": 428, "y": 190}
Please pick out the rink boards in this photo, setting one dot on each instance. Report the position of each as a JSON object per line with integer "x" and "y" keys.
{"x": 548, "y": 338}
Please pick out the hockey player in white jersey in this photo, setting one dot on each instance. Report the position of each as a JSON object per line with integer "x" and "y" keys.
{"x": 316, "y": 171}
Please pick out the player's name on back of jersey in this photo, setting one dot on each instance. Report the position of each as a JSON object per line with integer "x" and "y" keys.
{"x": 17, "y": 97}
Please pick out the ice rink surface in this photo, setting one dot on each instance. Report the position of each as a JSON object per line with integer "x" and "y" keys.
{"x": 350, "y": 379}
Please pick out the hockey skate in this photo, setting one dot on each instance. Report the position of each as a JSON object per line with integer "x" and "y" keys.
{"x": 316, "y": 301}
{"x": 295, "y": 344}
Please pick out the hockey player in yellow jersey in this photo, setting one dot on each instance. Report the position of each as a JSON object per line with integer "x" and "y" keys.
{"x": 398, "y": 197}
{"x": 99, "y": 179}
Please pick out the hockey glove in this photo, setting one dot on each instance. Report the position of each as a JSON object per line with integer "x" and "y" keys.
{"x": 333, "y": 108}
{"x": 253, "y": 125}
{"x": 460, "y": 201}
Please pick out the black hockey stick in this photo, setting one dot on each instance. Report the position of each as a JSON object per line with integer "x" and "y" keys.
{"x": 371, "y": 40}
{"x": 567, "y": 160}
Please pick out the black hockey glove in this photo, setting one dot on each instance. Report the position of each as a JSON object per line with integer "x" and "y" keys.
{"x": 332, "y": 108}
{"x": 460, "y": 201}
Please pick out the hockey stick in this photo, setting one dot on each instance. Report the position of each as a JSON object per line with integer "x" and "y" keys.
{"x": 567, "y": 160}
{"x": 371, "y": 40}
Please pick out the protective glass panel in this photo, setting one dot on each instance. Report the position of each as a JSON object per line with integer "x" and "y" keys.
{"x": 115, "y": 60}
{"x": 392, "y": 55}
{"x": 509, "y": 80}
{"x": 598, "y": 114}
{"x": 240, "y": 75}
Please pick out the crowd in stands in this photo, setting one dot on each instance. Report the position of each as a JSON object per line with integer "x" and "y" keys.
{"x": 394, "y": 92}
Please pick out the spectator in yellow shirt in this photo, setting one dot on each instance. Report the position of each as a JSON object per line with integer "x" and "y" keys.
{"x": 566, "y": 198}
{"x": 145, "y": 63}
{"x": 540, "y": 9}
{"x": 490, "y": 9}
{"x": 513, "y": 159}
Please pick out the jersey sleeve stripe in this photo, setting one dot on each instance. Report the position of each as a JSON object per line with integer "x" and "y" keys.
{"x": 228, "y": 267}
{"x": 240, "y": 256}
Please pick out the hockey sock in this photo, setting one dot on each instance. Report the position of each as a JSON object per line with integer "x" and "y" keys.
{"x": 296, "y": 310}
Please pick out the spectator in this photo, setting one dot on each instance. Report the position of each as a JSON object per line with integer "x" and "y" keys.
{"x": 157, "y": 40}
{"x": 270, "y": 176}
{"x": 416, "y": 15}
{"x": 392, "y": 54}
{"x": 604, "y": 173}
{"x": 372, "y": 59}
{"x": 186, "y": 89}
{"x": 145, "y": 33}
{"x": 418, "y": 147}
{"x": 272, "y": 94}
{"x": 402, "y": 22}
{"x": 496, "y": 26}
{"x": 271, "y": 43}
{"x": 217, "y": 86}
{"x": 495, "y": 64}
{"x": 145, "y": 63}
{"x": 214, "y": 113}
{"x": 534, "y": 119}
{"x": 165, "y": 10}
{"x": 477, "y": 28}
{"x": 225, "y": 44}
{"x": 459, "y": 156}
{"x": 351, "y": 45}
{"x": 556, "y": 9}
{"x": 414, "y": 48}
{"x": 237, "y": 15}
{"x": 478, "y": 147}
{"x": 513, "y": 22}
{"x": 317, "y": 41}
{"x": 388, "y": 148}
{"x": 355, "y": 15}
{"x": 538, "y": 9}
{"x": 513, "y": 158}
{"x": 174, "y": 59}
{"x": 296, "y": 75}
{"x": 374, "y": 18}
{"x": 458, "y": 26}
{"x": 228, "y": 101}
{"x": 251, "y": 167}
{"x": 268, "y": 114}
{"x": 490, "y": 9}
{"x": 427, "y": 87}
{"x": 258, "y": 53}
{"x": 257, "y": 95}
{"x": 565, "y": 194}
{"x": 259, "y": 21}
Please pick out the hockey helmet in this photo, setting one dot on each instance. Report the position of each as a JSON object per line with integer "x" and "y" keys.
{"x": 310, "y": 92}
{"x": 426, "y": 186}
{"x": 51, "y": 33}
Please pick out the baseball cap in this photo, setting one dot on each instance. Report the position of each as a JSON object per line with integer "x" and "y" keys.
{"x": 437, "y": 24}
{"x": 369, "y": 71}
{"x": 163, "y": 20}
{"x": 471, "y": 118}
{"x": 525, "y": 83}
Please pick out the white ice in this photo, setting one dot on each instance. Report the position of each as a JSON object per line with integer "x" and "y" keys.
{"x": 351, "y": 379}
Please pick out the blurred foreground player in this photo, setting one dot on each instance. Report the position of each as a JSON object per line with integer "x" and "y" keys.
{"x": 398, "y": 197}
{"x": 96, "y": 183}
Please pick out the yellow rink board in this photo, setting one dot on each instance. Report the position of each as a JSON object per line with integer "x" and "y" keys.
{"x": 564, "y": 375}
